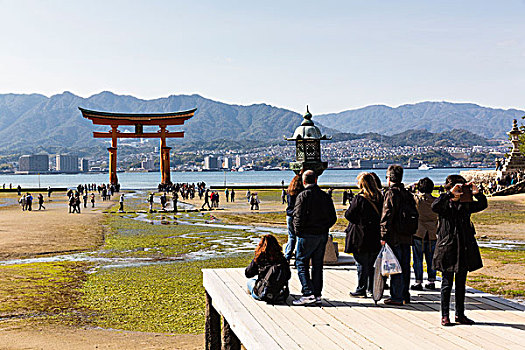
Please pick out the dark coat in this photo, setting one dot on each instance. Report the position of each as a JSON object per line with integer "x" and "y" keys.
{"x": 363, "y": 232}
{"x": 261, "y": 269}
{"x": 290, "y": 199}
{"x": 314, "y": 212}
{"x": 390, "y": 227}
{"x": 456, "y": 246}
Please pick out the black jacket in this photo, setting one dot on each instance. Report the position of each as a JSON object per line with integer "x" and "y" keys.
{"x": 290, "y": 199}
{"x": 456, "y": 246}
{"x": 363, "y": 232}
{"x": 390, "y": 230}
{"x": 314, "y": 212}
{"x": 260, "y": 269}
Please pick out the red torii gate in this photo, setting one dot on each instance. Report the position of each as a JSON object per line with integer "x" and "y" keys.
{"x": 138, "y": 120}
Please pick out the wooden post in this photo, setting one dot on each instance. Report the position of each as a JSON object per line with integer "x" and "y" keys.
{"x": 212, "y": 328}
{"x": 164, "y": 157}
{"x": 113, "y": 179}
{"x": 229, "y": 339}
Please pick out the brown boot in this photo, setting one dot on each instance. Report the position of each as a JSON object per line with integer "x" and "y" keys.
{"x": 445, "y": 321}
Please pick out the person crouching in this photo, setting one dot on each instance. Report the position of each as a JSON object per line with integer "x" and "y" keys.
{"x": 272, "y": 271}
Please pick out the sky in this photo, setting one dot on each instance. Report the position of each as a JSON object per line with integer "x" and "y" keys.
{"x": 331, "y": 55}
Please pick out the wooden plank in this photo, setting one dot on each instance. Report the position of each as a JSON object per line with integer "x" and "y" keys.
{"x": 275, "y": 329}
{"x": 245, "y": 326}
{"x": 393, "y": 316}
{"x": 340, "y": 335}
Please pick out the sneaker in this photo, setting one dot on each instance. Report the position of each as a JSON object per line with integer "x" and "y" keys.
{"x": 305, "y": 300}
{"x": 358, "y": 295}
{"x": 416, "y": 286}
{"x": 318, "y": 301}
{"x": 430, "y": 286}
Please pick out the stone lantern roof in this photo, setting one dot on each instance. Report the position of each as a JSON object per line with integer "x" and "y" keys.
{"x": 307, "y": 130}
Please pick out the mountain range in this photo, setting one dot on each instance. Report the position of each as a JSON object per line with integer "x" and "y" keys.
{"x": 35, "y": 123}
{"x": 435, "y": 117}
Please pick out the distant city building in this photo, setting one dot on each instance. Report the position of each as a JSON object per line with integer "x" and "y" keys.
{"x": 34, "y": 163}
{"x": 84, "y": 165}
{"x": 211, "y": 162}
{"x": 239, "y": 161}
{"x": 227, "y": 163}
{"x": 66, "y": 163}
{"x": 148, "y": 164}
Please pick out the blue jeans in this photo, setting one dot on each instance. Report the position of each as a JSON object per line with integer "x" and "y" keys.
{"x": 399, "y": 289}
{"x": 292, "y": 238}
{"x": 419, "y": 248}
{"x": 251, "y": 284}
{"x": 311, "y": 248}
{"x": 365, "y": 271}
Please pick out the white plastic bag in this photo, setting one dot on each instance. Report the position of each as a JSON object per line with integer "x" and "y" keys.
{"x": 389, "y": 264}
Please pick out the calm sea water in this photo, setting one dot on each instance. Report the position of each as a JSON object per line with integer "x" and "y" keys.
{"x": 218, "y": 178}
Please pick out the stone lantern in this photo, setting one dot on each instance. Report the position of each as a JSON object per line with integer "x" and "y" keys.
{"x": 307, "y": 139}
{"x": 516, "y": 160}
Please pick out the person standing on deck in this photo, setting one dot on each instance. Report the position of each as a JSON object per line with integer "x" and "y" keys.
{"x": 425, "y": 237}
{"x": 314, "y": 214}
{"x": 395, "y": 233}
{"x": 295, "y": 187}
{"x": 457, "y": 251}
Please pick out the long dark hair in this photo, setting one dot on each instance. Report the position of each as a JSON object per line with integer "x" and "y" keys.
{"x": 268, "y": 249}
{"x": 296, "y": 185}
{"x": 452, "y": 180}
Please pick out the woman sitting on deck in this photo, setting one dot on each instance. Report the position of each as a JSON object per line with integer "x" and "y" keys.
{"x": 272, "y": 271}
{"x": 456, "y": 251}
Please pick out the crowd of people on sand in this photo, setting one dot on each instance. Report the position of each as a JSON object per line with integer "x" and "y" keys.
{"x": 503, "y": 182}
{"x": 405, "y": 219}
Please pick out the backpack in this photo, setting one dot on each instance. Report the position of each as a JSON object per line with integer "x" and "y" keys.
{"x": 273, "y": 287}
{"x": 407, "y": 215}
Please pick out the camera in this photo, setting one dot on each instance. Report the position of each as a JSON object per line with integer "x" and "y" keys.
{"x": 466, "y": 193}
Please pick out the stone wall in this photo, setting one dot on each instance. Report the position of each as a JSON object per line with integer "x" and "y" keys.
{"x": 481, "y": 176}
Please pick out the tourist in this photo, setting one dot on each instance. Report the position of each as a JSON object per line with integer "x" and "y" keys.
{"x": 398, "y": 233}
{"x": 85, "y": 198}
{"x": 41, "y": 202}
{"x": 29, "y": 202}
{"x": 175, "y": 199}
{"x": 22, "y": 202}
{"x": 77, "y": 202}
{"x": 283, "y": 196}
{"x": 314, "y": 214}
{"x": 49, "y": 191}
{"x": 206, "y": 199}
{"x": 254, "y": 201}
{"x": 268, "y": 255}
{"x": 19, "y": 190}
{"x": 248, "y": 196}
{"x": 363, "y": 237}
{"x": 71, "y": 204}
{"x": 232, "y": 195}
{"x": 92, "y": 200}
{"x": 163, "y": 201}
{"x": 425, "y": 238}
{"x": 150, "y": 201}
{"x": 457, "y": 251}
{"x": 227, "y": 194}
{"x": 121, "y": 203}
{"x": 295, "y": 187}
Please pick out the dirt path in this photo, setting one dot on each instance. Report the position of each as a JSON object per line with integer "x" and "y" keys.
{"x": 50, "y": 231}
{"x": 14, "y": 336}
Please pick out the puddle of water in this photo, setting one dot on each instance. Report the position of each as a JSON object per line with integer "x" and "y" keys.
{"x": 502, "y": 244}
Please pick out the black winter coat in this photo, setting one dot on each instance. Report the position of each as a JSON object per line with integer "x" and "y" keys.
{"x": 390, "y": 226}
{"x": 314, "y": 212}
{"x": 290, "y": 199}
{"x": 363, "y": 232}
{"x": 456, "y": 246}
{"x": 260, "y": 269}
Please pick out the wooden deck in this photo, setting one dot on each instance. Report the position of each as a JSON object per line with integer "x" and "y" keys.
{"x": 343, "y": 322}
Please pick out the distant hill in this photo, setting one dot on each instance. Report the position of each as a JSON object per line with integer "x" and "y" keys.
{"x": 424, "y": 138}
{"x": 431, "y": 116}
{"x": 36, "y": 123}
